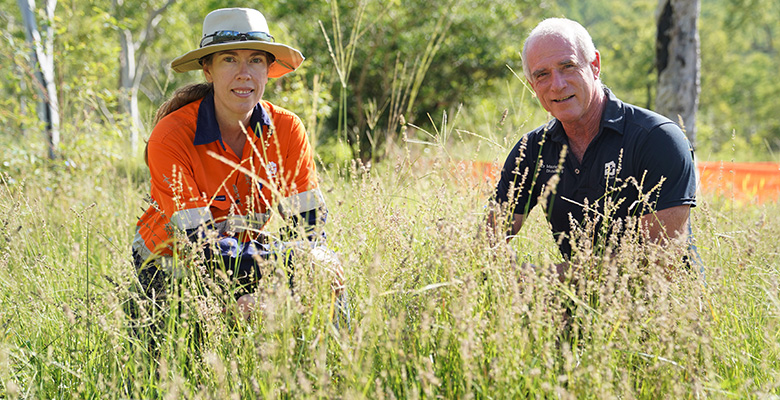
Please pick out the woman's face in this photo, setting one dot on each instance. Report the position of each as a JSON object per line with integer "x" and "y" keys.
{"x": 239, "y": 78}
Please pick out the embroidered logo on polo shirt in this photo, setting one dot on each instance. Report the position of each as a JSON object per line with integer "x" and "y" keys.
{"x": 610, "y": 170}
{"x": 271, "y": 169}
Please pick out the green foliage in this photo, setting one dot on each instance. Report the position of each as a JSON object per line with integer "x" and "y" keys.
{"x": 738, "y": 55}
{"x": 469, "y": 44}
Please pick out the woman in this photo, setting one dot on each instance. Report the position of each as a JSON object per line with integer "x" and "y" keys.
{"x": 220, "y": 158}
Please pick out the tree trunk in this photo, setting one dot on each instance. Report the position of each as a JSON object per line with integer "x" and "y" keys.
{"x": 128, "y": 84}
{"x": 678, "y": 62}
{"x": 132, "y": 61}
{"x": 43, "y": 60}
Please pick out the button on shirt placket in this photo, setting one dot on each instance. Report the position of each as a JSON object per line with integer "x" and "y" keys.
{"x": 575, "y": 166}
{"x": 579, "y": 175}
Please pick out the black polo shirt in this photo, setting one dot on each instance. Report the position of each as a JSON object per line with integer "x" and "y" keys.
{"x": 638, "y": 162}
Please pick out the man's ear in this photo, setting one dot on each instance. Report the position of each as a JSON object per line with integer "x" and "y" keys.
{"x": 595, "y": 65}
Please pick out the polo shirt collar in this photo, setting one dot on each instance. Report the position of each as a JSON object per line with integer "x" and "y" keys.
{"x": 612, "y": 119}
{"x": 614, "y": 114}
{"x": 207, "y": 127}
{"x": 556, "y": 132}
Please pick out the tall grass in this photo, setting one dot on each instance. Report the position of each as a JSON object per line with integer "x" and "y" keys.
{"x": 437, "y": 311}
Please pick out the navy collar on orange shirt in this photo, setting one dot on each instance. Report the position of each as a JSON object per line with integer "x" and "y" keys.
{"x": 207, "y": 128}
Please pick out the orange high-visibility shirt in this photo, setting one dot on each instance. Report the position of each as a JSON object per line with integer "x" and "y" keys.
{"x": 196, "y": 179}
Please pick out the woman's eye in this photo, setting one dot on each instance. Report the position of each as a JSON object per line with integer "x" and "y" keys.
{"x": 229, "y": 59}
{"x": 258, "y": 60}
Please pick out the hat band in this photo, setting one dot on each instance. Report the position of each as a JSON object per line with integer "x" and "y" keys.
{"x": 234, "y": 36}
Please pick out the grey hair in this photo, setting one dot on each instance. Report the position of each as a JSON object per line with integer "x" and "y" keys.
{"x": 564, "y": 28}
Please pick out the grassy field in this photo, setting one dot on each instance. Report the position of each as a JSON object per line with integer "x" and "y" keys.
{"x": 436, "y": 311}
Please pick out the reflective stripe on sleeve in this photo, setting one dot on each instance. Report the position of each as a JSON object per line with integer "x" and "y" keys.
{"x": 191, "y": 218}
{"x": 302, "y": 202}
{"x": 240, "y": 223}
{"x": 262, "y": 218}
{"x": 140, "y": 246}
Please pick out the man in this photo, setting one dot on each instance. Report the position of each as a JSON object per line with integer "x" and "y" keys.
{"x": 599, "y": 161}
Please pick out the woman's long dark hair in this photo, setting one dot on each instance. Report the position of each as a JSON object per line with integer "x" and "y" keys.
{"x": 180, "y": 98}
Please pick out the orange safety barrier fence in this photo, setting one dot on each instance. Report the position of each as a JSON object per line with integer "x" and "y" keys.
{"x": 757, "y": 182}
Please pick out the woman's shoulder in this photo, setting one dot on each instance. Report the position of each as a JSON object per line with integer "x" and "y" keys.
{"x": 180, "y": 123}
{"x": 280, "y": 114}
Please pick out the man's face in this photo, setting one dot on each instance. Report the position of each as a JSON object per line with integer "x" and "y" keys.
{"x": 565, "y": 82}
{"x": 239, "y": 78}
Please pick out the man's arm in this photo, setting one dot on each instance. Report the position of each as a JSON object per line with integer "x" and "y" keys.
{"x": 662, "y": 227}
{"x": 668, "y": 228}
{"x": 667, "y": 225}
{"x": 677, "y": 192}
{"x": 495, "y": 228}
{"x": 517, "y": 223}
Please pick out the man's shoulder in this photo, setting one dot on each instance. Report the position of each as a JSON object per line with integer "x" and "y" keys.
{"x": 546, "y": 128}
{"x": 651, "y": 136}
{"x": 536, "y": 144}
{"x": 640, "y": 120}
{"x": 652, "y": 133}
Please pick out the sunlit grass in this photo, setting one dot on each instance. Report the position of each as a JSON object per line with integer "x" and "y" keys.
{"x": 436, "y": 310}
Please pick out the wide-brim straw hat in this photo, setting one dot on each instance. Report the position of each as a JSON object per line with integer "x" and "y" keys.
{"x": 239, "y": 29}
